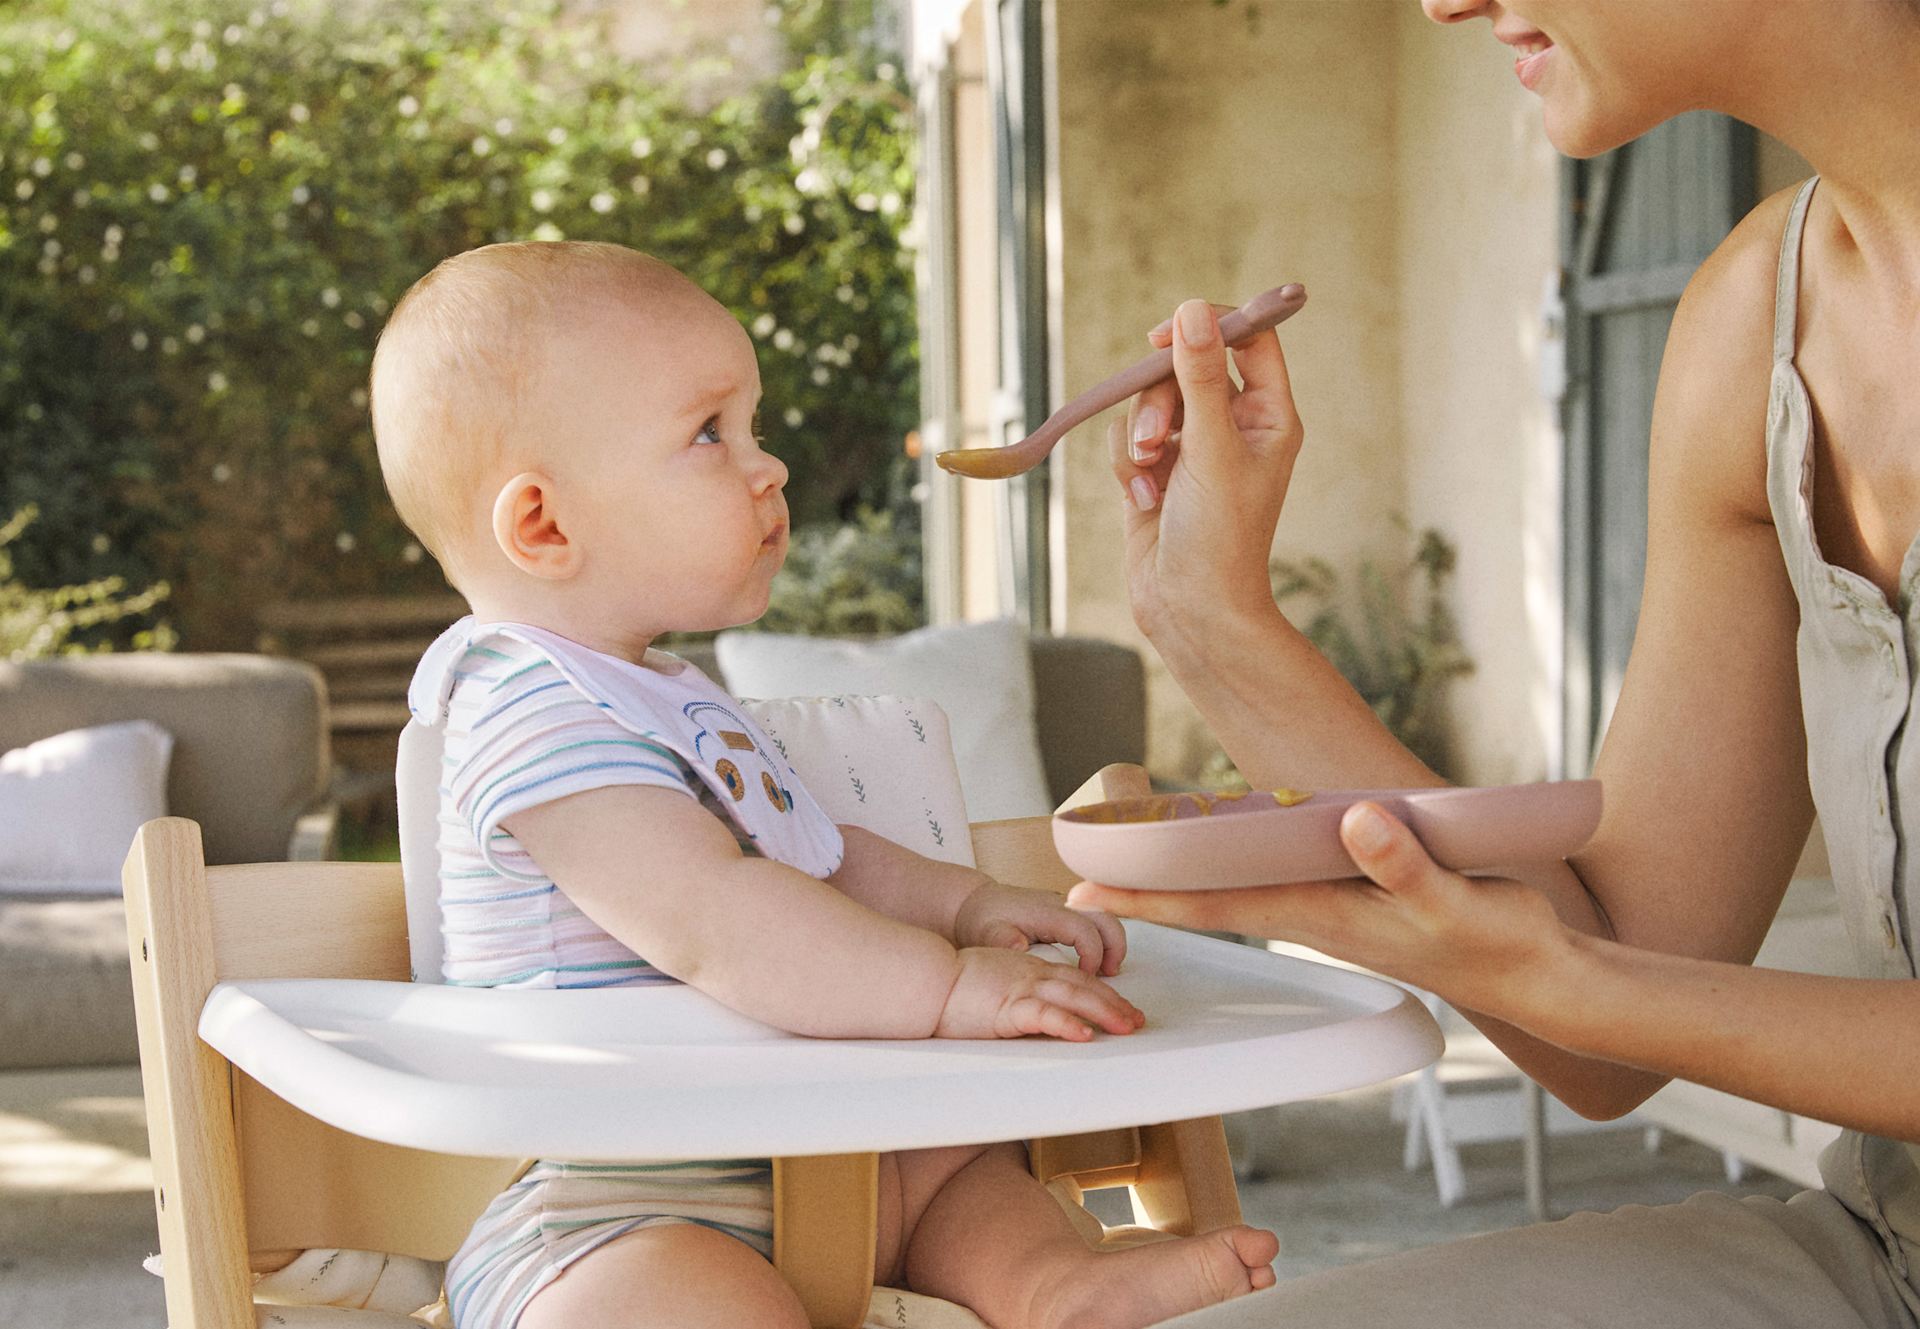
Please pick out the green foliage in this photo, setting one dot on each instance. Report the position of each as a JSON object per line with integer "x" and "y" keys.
{"x": 207, "y": 209}
{"x": 37, "y": 622}
{"x": 861, "y": 579}
{"x": 1403, "y": 651}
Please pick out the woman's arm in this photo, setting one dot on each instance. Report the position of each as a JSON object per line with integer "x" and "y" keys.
{"x": 1707, "y": 800}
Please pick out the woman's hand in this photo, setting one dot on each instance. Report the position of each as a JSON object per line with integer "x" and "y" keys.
{"x": 1204, "y": 467}
{"x": 1488, "y": 944}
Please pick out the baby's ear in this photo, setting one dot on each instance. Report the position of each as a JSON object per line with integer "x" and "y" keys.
{"x": 527, "y": 527}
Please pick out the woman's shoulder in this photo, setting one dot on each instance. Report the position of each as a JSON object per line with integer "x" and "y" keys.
{"x": 1734, "y": 286}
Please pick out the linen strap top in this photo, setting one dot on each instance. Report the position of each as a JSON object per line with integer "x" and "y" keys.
{"x": 1858, "y": 684}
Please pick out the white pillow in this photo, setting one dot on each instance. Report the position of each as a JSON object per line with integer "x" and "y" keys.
{"x": 70, "y": 804}
{"x": 980, "y": 674}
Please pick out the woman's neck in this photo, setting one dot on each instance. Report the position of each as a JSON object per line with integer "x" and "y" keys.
{"x": 1842, "y": 92}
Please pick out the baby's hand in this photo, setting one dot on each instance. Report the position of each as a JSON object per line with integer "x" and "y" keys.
{"x": 1004, "y": 916}
{"x": 1008, "y": 994}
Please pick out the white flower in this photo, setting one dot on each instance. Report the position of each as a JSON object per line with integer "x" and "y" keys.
{"x": 809, "y": 181}
{"x": 851, "y": 341}
{"x": 36, "y": 412}
{"x": 412, "y": 553}
{"x": 170, "y": 346}
{"x": 298, "y": 113}
{"x": 640, "y": 185}
{"x": 139, "y": 340}
{"x": 764, "y": 325}
{"x": 794, "y": 417}
{"x": 783, "y": 339}
{"x": 866, "y": 202}
{"x": 188, "y": 174}
{"x": 359, "y": 398}
{"x": 113, "y": 235}
{"x": 481, "y": 145}
{"x": 233, "y": 34}
{"x": 353, "y": 320}
{"x": 301, "y": 194}
{"x": 793, "y": 224}
{"x": 548, "y": 232}
{"x": 344, "y": 542}
{"x": 81, "y": 198}
{"x": 503, "y": 126}
{"x": 820, "y": 375}
{"x": 889, "y": 204}
{"x": 641, "y": 147}
{"x": 196, "y": 334}
{"x": 86, "y": 274}
{"x": 310, "y": 327}
{"x": 75, "y": 161}
{"x": 149, "y": 141}
{"x": 716, "y": 159}
{"x": 542, "y": 200}
{"x": 48, "y": 223}
{"x": 158, "y": 192}
{"x": 330, "y": 298}
{"x": 216, "y": 382}
{"x": 556, "y": 136}
{"x": 844, "y": 294}
{"x": 23, "y": 191}
{"x": 222, "y": 473}
{"x": 409, "y": 105}
{"x": 100, "y": 543}
{"x": 601, "y": 202}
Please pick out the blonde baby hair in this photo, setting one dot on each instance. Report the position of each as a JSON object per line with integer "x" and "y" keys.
{"x": 454, "y": 364}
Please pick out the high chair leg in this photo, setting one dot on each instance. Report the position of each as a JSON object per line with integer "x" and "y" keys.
{"x": 1185, "y": 1184}
{"x": 826, "y": 1213}
{"x": 189, "y": 1098}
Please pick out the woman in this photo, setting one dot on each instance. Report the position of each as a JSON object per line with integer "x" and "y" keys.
{"x": 1773, "y": 670}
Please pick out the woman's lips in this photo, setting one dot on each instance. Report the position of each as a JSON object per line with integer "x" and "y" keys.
{"x": 1531, "y": 66}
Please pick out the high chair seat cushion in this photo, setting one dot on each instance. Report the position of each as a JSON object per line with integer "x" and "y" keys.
{"x": 981, "y": 674}
{"x": 884, "y": 764}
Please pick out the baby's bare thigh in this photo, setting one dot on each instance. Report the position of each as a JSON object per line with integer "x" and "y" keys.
{"x": 671, "y": 1276}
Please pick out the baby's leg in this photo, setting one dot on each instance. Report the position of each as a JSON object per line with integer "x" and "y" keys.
{"x": 670, "y": 1276}
{"x": 976, "y": 1228}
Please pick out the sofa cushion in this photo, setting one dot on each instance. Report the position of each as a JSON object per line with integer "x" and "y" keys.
{"x": 72, "y": 803}
{"x": 66, "y": 989}
{"x": 249, "y": 738}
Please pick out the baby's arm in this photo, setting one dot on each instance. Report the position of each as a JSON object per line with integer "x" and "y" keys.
{"x": 968, "y": 907}
{"x": 778, "y": 945}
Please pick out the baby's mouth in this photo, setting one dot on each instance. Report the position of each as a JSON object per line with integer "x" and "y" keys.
{"x": 775, "y": 536}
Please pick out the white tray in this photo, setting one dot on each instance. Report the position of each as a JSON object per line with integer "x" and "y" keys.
{"x": 668, "y": 1073}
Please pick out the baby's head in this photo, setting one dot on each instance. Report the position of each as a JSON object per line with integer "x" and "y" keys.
{"x": 569, "y": 429}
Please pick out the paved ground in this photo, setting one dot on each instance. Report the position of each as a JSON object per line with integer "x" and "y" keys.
{"x": 76, "y": 1215}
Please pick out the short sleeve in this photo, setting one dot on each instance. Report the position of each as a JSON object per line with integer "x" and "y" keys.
{"x": 520, "y": 734}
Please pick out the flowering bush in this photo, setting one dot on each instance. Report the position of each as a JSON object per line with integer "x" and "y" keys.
{"x": 40, "y": 622}
{"x": 206, "y": 209}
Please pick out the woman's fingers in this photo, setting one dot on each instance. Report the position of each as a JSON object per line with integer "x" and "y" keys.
{"x": 1384, "y": 849}
{"x": 1206, "y": 391}
{"x": 1151, "y": 416}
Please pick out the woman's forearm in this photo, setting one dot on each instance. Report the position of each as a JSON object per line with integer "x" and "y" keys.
{"x": 1840, "y": 1050}
{"x": 1283, "y": 713}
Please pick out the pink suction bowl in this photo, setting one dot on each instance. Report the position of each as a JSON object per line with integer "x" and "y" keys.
{"x": 1174, "y": 842}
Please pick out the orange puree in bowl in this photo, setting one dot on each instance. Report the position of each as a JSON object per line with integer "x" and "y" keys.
{"x": 1171, "y": 807}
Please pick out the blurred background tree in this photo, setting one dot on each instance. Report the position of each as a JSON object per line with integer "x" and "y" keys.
{"x": 206, "y": 211}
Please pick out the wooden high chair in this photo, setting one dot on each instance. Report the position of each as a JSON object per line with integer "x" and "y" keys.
{"x": 244, "y": 1180}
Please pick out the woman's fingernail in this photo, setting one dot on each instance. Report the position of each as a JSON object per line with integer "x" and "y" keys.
{"x": 1368, "y": 830}
{"x": 1143, "y": 493}
{"x": 1196, "y": 323}
{"x": 1146, "y": 425}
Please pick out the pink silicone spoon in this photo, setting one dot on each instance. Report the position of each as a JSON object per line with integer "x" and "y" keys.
{"x": 1264, "y": 311}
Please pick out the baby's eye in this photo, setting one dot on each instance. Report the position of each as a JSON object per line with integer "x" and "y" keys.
{"x": 709, "y": 432}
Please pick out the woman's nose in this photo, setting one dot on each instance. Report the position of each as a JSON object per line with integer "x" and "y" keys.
{"x": 1456, "y": 11}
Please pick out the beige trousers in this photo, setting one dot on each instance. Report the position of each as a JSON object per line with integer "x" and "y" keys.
{"x": 1712, "y": 1262}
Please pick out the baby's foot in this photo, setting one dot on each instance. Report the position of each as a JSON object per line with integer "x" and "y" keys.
{"x": 1143, "y": 1285}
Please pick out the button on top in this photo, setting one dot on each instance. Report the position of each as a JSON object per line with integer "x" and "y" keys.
{"x": 1888, "y": 931}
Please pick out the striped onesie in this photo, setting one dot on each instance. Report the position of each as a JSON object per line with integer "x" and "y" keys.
{"x": 530, "y": 717}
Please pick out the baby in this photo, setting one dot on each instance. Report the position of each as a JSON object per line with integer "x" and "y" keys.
{"x": 569, "y": 429}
